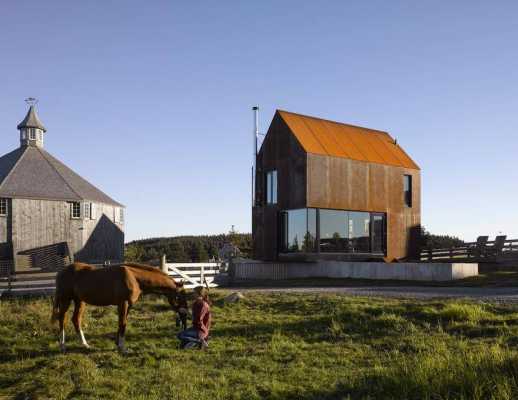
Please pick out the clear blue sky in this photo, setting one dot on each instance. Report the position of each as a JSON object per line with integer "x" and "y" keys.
{"x": 150, "y": 101}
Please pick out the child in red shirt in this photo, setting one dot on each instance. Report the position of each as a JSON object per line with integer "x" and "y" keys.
{"x": 201, "y": 320}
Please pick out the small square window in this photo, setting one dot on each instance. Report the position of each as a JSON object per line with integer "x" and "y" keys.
{"x": 75, "y": 210}
{"x": 3, "y": 206}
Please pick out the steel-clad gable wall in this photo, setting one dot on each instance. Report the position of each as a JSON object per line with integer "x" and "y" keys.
{"x": 345, "y": 184}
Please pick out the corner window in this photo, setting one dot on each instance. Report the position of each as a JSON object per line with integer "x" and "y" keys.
{"x": 339, "y": 231}
{"x": 407, "y": 189}
{"x": 75, "y": 210}
{"x": 3, "y": 206}
{"x": 271, "y": 187}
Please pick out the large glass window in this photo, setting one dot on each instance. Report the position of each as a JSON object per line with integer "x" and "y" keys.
{"x": 314, "y": 230}
{"x": 407, "y": 189}
{"x": 359, "y": 229}
{"x": 271, "y": 187}
{"x": 299, "y": 230}
{"x": 378, "y": 233}
{"x": 333, "y": 231}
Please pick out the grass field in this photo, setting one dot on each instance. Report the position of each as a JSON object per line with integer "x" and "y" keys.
{"x": 278, "y": 346}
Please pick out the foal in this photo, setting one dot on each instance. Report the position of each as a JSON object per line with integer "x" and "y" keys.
{"x": 119, "y": 285}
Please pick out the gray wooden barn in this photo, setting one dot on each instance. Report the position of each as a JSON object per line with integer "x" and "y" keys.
{"x": 49, "y": 215}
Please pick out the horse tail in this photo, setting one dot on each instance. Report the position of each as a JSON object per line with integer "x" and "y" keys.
{"x": 57, "y": 299}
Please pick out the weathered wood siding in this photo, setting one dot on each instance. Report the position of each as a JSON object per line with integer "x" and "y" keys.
{"x": 40, "y": 223}
{"x": 345, "y": 184}
{"x": 103, "y": 237}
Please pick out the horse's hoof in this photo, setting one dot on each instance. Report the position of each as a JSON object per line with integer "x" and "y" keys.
{"x": 123, "y": 350}
{"x": 62, "y": 348}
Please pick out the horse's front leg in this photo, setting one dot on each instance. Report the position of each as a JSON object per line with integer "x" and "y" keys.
{"x": 79, "y": 309}
{"x": 123, "y": 320}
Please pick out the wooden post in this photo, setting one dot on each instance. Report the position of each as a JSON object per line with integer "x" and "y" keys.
{"x": 163, "y": 265}
{"x": 202, "y": 275}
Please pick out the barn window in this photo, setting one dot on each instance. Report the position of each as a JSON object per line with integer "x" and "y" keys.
{"x": 121, "y": 215}
{"x": 75, "y": 209}
{"x": 271, "y": 187}
{"x": 87, "y": 210}
{"x": 407, "y": 189}
{"x": 3, "y": 206}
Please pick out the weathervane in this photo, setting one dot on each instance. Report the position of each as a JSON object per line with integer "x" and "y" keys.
{"x": 31, "y": 101}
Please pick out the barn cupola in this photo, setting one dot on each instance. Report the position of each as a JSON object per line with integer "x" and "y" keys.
{"x": 31, "y": 129}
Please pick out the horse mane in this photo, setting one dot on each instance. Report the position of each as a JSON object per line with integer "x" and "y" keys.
{"x": 143, "y": 267}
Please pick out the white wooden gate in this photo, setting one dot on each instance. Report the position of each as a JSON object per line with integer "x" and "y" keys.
{"x": 194, "y": 274}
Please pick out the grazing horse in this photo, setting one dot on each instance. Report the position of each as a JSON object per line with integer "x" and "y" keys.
{"x": 119, "y": 285}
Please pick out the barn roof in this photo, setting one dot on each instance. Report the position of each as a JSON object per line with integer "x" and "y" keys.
{"x": 31, "y": 172}
{"x": 330, "y": 138}
{"x": 31, "y": 120}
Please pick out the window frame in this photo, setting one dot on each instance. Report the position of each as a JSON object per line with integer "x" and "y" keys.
{"x": 407, "y": 191}
{"x": 271, "y": 182}
{"x": 345, "y": 242}
{"x": 4, "y": 206}
{"x": 73, "y": 209}
{"x": 87, "y": 210}
{"x": 32, "y": 134}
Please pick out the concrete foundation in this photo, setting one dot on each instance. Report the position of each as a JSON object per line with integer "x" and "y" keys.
{"x": 355, "y": 269}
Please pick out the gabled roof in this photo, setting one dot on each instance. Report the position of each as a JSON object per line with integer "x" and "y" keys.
{"x": 31, "y": 172}
{"x": 320, "y": 136}
{"x": 31, "y": 120}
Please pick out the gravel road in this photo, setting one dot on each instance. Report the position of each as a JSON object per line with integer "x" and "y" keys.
{"x": 506, "y": 295}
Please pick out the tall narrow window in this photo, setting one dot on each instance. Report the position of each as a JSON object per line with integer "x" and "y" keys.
{"x": 75, "y": 209}
{"x": 32, "y": 133}
{"x": 121, "y": 215}
{"x": 271, "y": 187}
{"x": 3, "y": 206}
{"x": 407, "y": 189}
{"x": 86, "y": 208}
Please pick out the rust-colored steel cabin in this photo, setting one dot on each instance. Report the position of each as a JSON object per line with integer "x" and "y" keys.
{"x": 327, "y": 190}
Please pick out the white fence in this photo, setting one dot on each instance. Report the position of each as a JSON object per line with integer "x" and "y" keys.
{"x": 194, "y": 274}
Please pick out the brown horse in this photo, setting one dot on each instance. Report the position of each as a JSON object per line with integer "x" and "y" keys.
{"x": 119, "y": 285}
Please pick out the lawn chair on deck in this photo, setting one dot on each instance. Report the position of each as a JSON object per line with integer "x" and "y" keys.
{"x": 497, "y": 247}
{"x": 479, "y": 249}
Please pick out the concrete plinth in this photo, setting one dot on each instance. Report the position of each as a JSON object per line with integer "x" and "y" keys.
{"x": 355, "y": 269}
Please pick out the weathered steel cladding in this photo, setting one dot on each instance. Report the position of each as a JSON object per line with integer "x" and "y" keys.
{"x": 281, "y": 151}
{"x": 341, "y": 183}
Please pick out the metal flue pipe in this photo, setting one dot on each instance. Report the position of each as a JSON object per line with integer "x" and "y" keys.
{"x": 254, "y": 157}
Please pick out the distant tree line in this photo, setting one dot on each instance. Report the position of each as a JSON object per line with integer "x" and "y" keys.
{"x": 186, "y": 248}
{"x": 429, "y": 240}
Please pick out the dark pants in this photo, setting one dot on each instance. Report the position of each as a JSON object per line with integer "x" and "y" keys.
{"x": 189, "y": 335}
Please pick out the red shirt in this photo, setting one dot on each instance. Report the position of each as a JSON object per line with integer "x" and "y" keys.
{"x": 201, "y": 318}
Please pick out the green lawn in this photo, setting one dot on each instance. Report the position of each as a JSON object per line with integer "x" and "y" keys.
{"x": 279, "y": 346}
